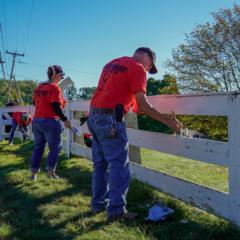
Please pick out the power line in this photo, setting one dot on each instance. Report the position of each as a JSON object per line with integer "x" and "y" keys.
{"x": 14, "y": 54}
{"x": 6, "y": 39}
{"x": 28, "y": 78}
{"x": 5, "y": 22}
{"x": 3, "y": 44}
{"x": 16, "y": 25}
{"x": 2, "y": 62}
{"x": 83, "y": 72}
{"x": 65, "y": 68}
{"x": 2, "y": 36}
{"x": 29, "y": 26}
{"x": 25, "y": 77}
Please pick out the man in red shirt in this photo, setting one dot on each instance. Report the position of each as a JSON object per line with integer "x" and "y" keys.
{"x": 122, "y": 85}
{"x": 49, "y": 102}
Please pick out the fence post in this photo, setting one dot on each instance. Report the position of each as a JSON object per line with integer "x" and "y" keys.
{"x": 78, "y": 139}
{"x": 31, "y": 110}
{"x": 134, "y": 152}
{"x": 1, "y": 126}
{"x": 234, "y": 164}
{"x": 69, "y": 134}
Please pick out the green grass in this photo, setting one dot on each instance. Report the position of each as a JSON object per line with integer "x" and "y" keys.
{"x": 59, "y": 209}
{"x": 210, "y": 175}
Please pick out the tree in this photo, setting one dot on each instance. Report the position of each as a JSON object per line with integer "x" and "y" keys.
{"x": 153, "y": 87}
{"x": 72, "y": 93}
{"x": 213, "y": 127}
{"x": 86, "y": 92}
{"x": 26, "y": 88}
{"x": 3, "y": 92}
{"x": 168, "y": 85}
{"x": 210, "y": 58}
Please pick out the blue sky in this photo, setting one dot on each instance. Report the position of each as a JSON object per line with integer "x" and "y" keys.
{"x": 81, "y": 36}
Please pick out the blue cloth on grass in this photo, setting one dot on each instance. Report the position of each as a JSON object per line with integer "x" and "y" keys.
{"x": 159, "y": 213}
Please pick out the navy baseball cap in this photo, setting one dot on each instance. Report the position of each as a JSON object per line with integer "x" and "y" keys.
{"x": 152, "y": 55}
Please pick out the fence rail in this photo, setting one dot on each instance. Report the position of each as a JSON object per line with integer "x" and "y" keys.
{"x": 226, "y": 205}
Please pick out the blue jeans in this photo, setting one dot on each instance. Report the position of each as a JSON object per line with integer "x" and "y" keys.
{"x": 111, "y": 175}
{"x": 24, "y": 131}
{"x": 14, "y": 127}
{"x": 46, "y": 131}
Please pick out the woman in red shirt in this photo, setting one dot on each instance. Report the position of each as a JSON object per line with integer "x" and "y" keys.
{"x": 46, "y": 126}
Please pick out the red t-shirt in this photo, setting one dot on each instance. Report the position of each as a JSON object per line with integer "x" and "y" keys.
{"x": 44, "y": 95}
{"x": 16, "y": 116}
{"x": 24, "y": 123}
{"x": 120, "y": 80}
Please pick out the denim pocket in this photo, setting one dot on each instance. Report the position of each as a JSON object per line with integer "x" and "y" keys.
{"x": 104, "y": 127}
{"x": 121, "y": 131}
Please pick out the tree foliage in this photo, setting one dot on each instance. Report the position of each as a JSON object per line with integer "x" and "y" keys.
{"x": 86, "y": 92}
{"x": 212, "y": 127}
{"x": 210, "y": 58}
{"x": 3, "y": 92}
{"x": 72, "y": 93}
{"x": 168, "y": 85}
{"x": 26, "y": 88}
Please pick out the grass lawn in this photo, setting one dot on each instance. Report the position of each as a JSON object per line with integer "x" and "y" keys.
{"x": 59, "y": 208}
{"x": 210, "y": 175}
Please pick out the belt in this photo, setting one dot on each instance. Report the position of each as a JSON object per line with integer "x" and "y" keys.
{"x": 102, "y": 110}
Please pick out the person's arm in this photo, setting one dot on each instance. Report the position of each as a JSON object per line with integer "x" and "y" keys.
{"x": 145, "y": 107}
{"x": 56, "y": 100}
{"x": 57, "y": 109}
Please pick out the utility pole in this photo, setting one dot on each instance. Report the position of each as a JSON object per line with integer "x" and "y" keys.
{"x": 14, "y": 54}
{"x": 18, "y": 90}
{"x": 2, "y": 62}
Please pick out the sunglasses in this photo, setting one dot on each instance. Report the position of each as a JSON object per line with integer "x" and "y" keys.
{"x": 61, "y": 74}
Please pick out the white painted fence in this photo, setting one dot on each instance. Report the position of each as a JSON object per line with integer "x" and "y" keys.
{"x": 226, "y": 205}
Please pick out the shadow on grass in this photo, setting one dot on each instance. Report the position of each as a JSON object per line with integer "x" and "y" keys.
{"x": 21, "y": 209}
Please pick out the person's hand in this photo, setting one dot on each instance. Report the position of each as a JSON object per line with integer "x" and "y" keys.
{"x": 174, "y": 123}
{"x": 67, "y": 124}
{"x": 83, "y": 120}
{"x": 84, "y": 114}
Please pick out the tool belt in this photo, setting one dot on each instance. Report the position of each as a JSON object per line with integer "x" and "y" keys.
{"x": 102, "y": 110}
{"x": 118, "y": 111}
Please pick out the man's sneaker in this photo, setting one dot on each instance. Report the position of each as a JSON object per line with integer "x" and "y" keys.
{"x": 127, "y": 216}
{"x": 33, "y": 177}
{"x": 53, "y": 175}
